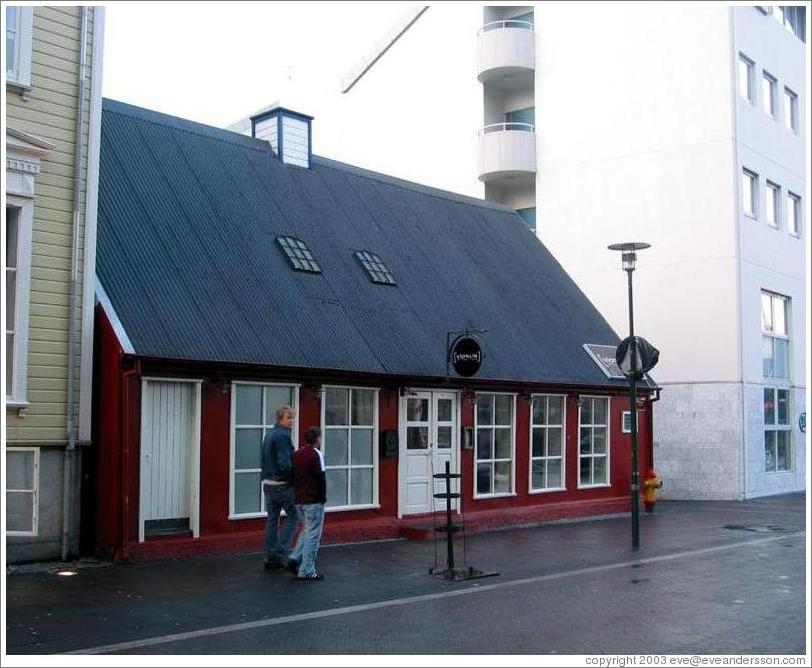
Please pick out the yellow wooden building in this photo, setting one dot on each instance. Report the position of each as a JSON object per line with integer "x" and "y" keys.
{"x": 53, "y": 74}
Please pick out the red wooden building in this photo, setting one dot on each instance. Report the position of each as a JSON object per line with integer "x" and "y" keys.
{"x": 237, "y": 274}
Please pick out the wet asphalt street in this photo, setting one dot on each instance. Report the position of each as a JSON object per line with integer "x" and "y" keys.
{"x": 709, "y": 578}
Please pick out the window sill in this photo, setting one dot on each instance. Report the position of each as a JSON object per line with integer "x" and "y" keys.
{"x": 369, "y": 506}
{"x": 22, "y": 534}
{"x": 547, "y": 491}
{"x": 603, "y": 486}
{"x": 494, "y": 496}
{"x": 23, "y": 89}
{"x": 21, "y": 407}
{"x": 769, "y": 473}
{"x": 751, "y": 216}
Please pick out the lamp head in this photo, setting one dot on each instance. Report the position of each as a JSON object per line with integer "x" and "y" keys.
{"x": 628, "y": 251}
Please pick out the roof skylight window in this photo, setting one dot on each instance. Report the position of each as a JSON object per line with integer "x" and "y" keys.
{"x": 298, "y": 254}
{"x": 376, "y": 269}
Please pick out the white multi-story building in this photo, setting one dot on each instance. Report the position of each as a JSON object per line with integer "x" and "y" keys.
{"x": 680, "y": 125}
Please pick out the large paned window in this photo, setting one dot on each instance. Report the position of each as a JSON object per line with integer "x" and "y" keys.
{"x": 773, "y": 193}
{"x": 749, "y": 191}
{"x": 790, "y": 110}
{"x": 350, "y": 434}
{"x": 22, "y": 483}
{"x": 777, "y": 430}
{"x": 12, "y": 254}
{"x": 774, "y": 335}
{"x": 547, "y": 438}
{"x": 593, "y": 424}
{"x": 19, "y": 32}
{"x": 746, "y": 78}
{"x": 494, "y": 444}
{"x": 253, "y": 411}
{"x": 793, "y": 214}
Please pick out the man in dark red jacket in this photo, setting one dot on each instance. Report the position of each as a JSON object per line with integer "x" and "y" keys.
{"x": 311, "y": 495}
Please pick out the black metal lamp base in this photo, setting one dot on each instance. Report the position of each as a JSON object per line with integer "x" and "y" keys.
{"x": 457, "y": 574}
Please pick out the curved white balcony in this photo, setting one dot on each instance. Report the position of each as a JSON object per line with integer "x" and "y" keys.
{"x": 507, "y": 52}
{"x": 507, "y": 150}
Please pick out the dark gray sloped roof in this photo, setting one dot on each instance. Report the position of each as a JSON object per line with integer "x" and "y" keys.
{"x": 188, "y": 217}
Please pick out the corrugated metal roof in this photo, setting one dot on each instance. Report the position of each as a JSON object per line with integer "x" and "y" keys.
{"x": 188, "y": 217}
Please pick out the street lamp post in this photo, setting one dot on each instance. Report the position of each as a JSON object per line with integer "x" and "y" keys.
{"x": 629, "y": 256}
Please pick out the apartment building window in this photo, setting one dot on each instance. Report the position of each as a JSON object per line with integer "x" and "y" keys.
{"x": 19, "y": 33}
{"x": 494, "y": 444}
{"x": 519, "y": 119}
{"x": 350, "y": 426}
{"x": 749, "y": 190}
{"x": 774, "y": 335}
{"x": 746, "y": 78}
{"x": 794, "y": 214}
{"x": 768, "y": 93}
{"x": 253, "y": 408}
{"x": 593, "y": 456}
{"x": 790, "y": 110}
{"x": 547, "y": 438}
{"x": 777, "y": 430}
{"x": 792, "y": 18}
{"x": 773, "y": 193}
{"x": 528, "y": 215}
{"x": 22, "y": 483}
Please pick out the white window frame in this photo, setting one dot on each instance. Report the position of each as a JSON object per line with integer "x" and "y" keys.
{"x": 794, "y": 217}
{"x": 749, "y": 94}
{"x": 608, "y": 426}
{"x": 769, "y": 103}
{"x": 563, "y": 457}
{"x": 25, "y": 223}
{"x": 772, "y": 209}
{"x": 748, "y": 174}
{"x": 773, "y": 335}
{"x": 512, "y": 491}
{"x": 375, "y": 440}
{"x": 791, "y": 110}
{"x": 20, "y": 76}
{"x": 232, "y": 515}
{"x": 623, "y": 418}
{"x": 776, "y": 427}
{"x": 35, "y": 492}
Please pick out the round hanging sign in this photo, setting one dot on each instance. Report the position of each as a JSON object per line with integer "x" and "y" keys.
{"x": 466, "y": 355}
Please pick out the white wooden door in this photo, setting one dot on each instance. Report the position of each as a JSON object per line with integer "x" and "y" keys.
{"x": 169, "y": 453}
{"x": 428, "y": 440}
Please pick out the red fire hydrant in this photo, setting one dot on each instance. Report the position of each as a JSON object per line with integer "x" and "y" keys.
{"x": 650, "y": 483}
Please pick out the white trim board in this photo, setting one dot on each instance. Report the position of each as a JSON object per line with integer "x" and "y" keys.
{"x": 112, "y": 316}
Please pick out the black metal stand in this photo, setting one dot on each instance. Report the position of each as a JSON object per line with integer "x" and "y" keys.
{"x": 451, "y": 572}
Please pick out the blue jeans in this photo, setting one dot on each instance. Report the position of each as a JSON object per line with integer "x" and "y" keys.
{"x": 308, "y": 543}
{"x": 277, "y": 498}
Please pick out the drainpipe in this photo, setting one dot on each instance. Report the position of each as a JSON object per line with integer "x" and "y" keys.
{"x": 70, "y": 452}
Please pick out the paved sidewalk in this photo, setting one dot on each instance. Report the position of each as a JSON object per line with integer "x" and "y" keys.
{"x": 710, "y": 577}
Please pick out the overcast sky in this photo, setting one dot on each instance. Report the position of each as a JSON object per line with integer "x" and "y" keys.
{"x": 217, "y": 62}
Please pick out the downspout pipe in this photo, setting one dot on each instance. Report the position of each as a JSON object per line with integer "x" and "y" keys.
{"x": 70, "y": 451}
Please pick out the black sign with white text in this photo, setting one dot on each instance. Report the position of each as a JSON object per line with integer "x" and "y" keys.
{"x": 466, "y": 355}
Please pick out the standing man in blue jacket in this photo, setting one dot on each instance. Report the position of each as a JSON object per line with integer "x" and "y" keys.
{"x": 277, "y": 484}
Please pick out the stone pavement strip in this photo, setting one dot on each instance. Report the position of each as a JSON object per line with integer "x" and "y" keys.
{"x": 710, "y": 577}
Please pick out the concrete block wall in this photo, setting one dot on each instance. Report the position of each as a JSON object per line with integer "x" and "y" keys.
{"x": 697, "y": 441}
